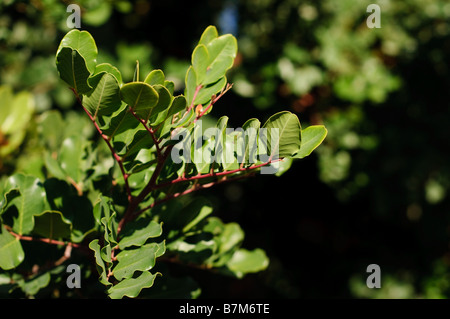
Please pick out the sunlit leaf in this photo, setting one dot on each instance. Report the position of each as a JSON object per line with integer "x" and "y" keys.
{"x": 312, "y": 137}
{"x": 283, "y": 135}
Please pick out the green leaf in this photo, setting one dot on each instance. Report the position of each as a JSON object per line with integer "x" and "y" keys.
{"x": 312, "y": 137}
{"x": 52, "y": 224}
{"x": 244, "y": 261}
{"x": 185, "y": 120}
{"x": 195, "y": 212}
{"x": 104, "y": 99}
{"x": 155, "y": 77}
{"x": 83, "y": 42}
{"x": 282, "y": 166}
{"x": 201, "y": 152}
{"x": 50, "y": 126}
{"x": 108, "y": 221}
{"x": 73, "y": 70}
{"x": 251, "y": 130}
{"x": 53, "y": 167}
{"x": 221, "y": 140}
{"x": 71, "y": 156}
{"x": 133, "y": 286}
{"x": 140, "y": 140}
{"x": 137, "y": 232}
{"x": 141, "y": 97}
{"x": 191, "y": 85}
{"x": 130, "y": 261}
{"x": 208, "y": 35}
{"x": 227, "y": 241}
{"x": 94, "y": 246}
{"x": 121, "y": 122}
{"x": 16, "y": 111}
{"x": 6, "y": 96}
{"x": 8, "y": 194}
{"x": 232, "y": 151}
{"x": 32, "y": 201}
{"x": 159, "y": 113}
{"x": 178, "y": 104}
{"x": 169, "y": 86}
{"x": 285, "y": 131}
{"x": 205, "y": 94}
{"x": 200, "y": 59}
{"x": 11, "y": 252}
{"x": 108, "y": 68}
{"x": 33, "y": 285}
{"x": 76, "y": 209}
{"x": 222, "y": 51}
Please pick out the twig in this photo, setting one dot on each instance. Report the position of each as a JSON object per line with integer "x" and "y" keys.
{"x": 149, "y": 129}
{"x": 148, "y": 188}
{"x": 201, "y": 176}
{"x": 214, "y": 99}
{"x": 194, "y": 188}
{"x": 44, "y": 240}
{"x": 106, "y": 139}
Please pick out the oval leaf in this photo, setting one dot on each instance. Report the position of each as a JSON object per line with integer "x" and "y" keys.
{"x": 312, "y": 137}
{"x": 133, "y": 286}
{"x": 208, "y": 35}
{"x": 222, "y": 52}
{"x": 11, "y": 252}
{"x": 73, "y": 70}
{"x": 84, "y": 43}
{"x": 200, "y": 59}
{"x": 155, "y": 77}
{"x": 104, "y": 99}
{"x": 52, "y": 224}
{"x": 140, "y": 96}
{"x": 283, "y": 135}
{"x": 140, "y": 259}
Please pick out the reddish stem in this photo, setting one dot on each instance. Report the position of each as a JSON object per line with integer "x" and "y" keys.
{"x": 185, "y": 179}
{"x": 214, "y": 99}
{"x": 194, "y": 188}
{"x": 148, "y": 188}
{"x": 149, "y": 129}
{"x": 44, "y": 240}
{"x": 106, "y": 139}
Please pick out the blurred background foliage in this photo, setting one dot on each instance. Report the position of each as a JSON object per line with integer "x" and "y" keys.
{"x": 377, "y": 188}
